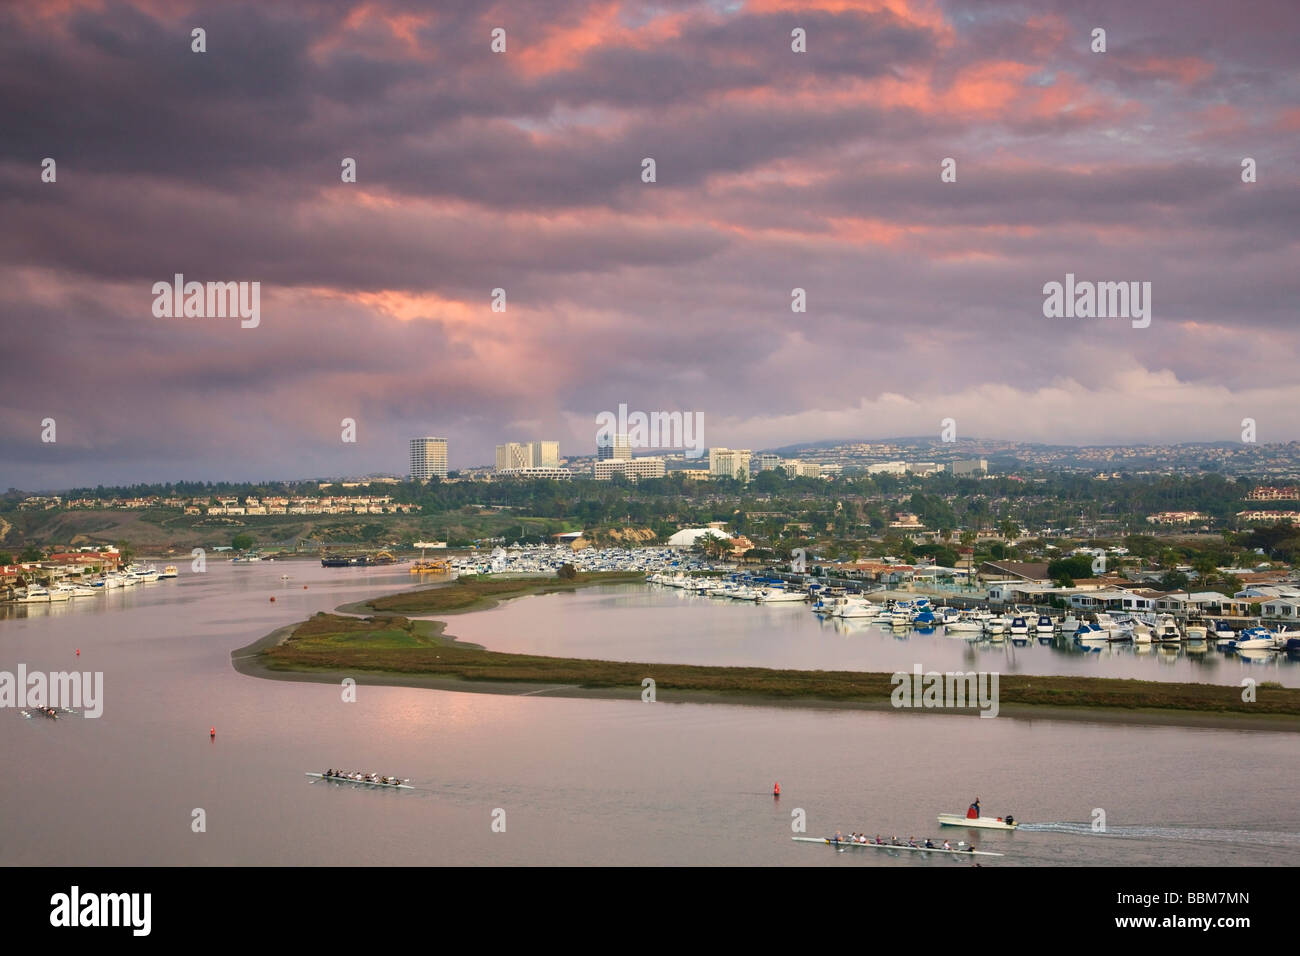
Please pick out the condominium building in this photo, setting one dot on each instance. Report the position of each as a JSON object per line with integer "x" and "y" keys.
{"x": 428, "y": 458}
{"x": 730, "y": 462}
{"x": 634, "y": 468}
{"x": 766, "y": 462}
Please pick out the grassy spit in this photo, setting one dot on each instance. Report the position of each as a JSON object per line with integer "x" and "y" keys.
{"x": 419, "y": 651}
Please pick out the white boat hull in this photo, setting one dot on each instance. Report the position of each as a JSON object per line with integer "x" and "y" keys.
{"x": 983, "y": 823}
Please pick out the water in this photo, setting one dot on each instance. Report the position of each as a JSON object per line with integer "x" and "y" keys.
{"x": 672, "y": 626}
{"x": 579, "y": 781}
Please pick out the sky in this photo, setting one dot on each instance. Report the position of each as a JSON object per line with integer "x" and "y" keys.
{"x": 523, "y": 170}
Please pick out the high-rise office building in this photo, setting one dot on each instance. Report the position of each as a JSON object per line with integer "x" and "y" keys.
{"x": 633, "y": 468}
{"x": 428, "y": 458}
{"x": 533, "y": 454}
{"x": 613, "y": 446}
{"x": 729, "y": 462}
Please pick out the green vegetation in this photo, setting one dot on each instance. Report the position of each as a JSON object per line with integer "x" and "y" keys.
{"x": 396, "y": 645}
{"x": 475, "y": 591}
{"x": 242, "y": 541}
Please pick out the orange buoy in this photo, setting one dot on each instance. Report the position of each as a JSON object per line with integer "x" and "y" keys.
{"x": 304, "y": 587}
{"x": 272, "y": 597}
{"x": 78, "y": 652}
{"x": 776, "y": 789}
{"x": 212, "y": 732}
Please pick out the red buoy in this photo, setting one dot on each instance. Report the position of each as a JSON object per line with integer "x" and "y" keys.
{"x": 272, "y": 597}
{"x": 78, "y": 652}
{"x": 304, "y": 587}
{"x": 776, "y": 789}
{"x": 212, "y": 732}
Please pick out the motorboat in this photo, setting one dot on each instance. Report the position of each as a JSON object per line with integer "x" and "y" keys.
{"x": 1044, "y": 625}
{"x": 1166, "y": 629}
{"x": 35, "y": 594}
{"x": 1255, "y": 639}
{"x": 1019, "y": 627}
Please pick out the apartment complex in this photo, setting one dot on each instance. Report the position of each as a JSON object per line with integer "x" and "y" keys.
{"x": 428, "y": 458}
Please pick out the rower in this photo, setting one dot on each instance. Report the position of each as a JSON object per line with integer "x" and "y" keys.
{"x": 947, "y": 845}
{"x": 929, "y": 844}
{"x": 1011, "y": 821}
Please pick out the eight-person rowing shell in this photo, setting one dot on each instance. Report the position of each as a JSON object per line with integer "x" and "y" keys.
{"x": 355, "y": 776}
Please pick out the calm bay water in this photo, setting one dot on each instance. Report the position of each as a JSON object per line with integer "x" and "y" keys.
{"x": 580, "y": 781}
{"x": 671, "y": 626}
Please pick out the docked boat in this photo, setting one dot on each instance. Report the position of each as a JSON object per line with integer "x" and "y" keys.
{"x": 35, "y": 594}
{"x": 1019, "y": 627}
{"x": 983, "y": 823}
{"x": 853, "y": 608}
{"x": 62, "y": 592}
{"x": 169, "y": 572}
{"x": 1255, "y": 639}
{"x": 84, "y": 590}
{"x": 996, "y": 625}
{"x": 847, "y": 844}
{"x": 1045, "y": 625}
{"x": 779, "y": 596}
{"x": 1165, "y": 629}
{"x": 963, "y": 623}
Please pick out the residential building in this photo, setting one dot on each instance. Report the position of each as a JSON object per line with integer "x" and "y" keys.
{"x": 428, "y": 458}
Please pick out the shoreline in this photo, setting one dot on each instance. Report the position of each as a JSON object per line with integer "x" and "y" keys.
{"x": 250, "y": 660}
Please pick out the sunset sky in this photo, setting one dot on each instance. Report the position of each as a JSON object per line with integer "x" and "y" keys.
{"x": 522, "y": 170}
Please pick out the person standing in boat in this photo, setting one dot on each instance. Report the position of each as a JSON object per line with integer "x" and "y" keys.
{"x": 974, "y": 811}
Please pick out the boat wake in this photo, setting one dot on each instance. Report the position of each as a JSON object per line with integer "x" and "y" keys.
{"x": 1190, "y": 834}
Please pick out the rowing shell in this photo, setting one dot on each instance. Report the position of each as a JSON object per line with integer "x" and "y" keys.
{"x": 890, "y": 846}
{"x": 984, "y": 823}
{"x": 368, "y": 783}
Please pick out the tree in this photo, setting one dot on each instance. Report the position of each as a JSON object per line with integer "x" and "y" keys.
{"x": 242, "y": 541}
{"x": 567, "y": 572}
{"x": 6, "y": 557}
{"x": 31, "y": 553}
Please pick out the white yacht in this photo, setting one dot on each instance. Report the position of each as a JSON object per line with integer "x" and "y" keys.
{"x": 1166, "y": 629}
{"x": 35, "y": 594}
{"x": 62, "y": 592}
{"x": 779, "y": 596}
